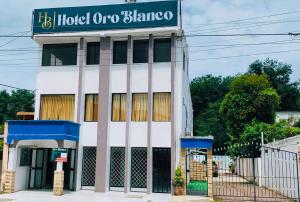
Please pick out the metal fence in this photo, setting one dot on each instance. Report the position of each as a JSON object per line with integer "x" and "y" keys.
{"x": 270, "y": 176}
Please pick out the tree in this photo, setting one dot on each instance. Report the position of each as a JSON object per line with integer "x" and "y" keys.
{"x": 207, "y": 94}
{"x": 211, "y": 122}
{"x": 250, "y": 97}
{"x": 4, "y": 100}
{"x": 279, "y": 75}
{"x": 20, "y": 100}
{"x": 252, "y": 135}
{"x": 208, "y": 89}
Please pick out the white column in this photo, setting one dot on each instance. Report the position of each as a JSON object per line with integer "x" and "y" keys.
{"x": 12, "y": 158}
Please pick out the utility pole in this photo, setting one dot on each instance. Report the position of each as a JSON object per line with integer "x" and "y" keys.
{"x": 180, "y": 13}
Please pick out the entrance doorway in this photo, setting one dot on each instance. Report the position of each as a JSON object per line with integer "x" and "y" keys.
{"x": 41, "y": 173}
{"x": 196, "y": 172}
{"x": 161, "y": 170}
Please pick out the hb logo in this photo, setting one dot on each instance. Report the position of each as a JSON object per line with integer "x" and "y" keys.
{"x": 45, "y": 20}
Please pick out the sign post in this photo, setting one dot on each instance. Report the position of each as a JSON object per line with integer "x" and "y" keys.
{"x": 60, "y": 156}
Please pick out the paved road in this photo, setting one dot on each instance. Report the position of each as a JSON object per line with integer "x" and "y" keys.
{"x": 91, "y": 196}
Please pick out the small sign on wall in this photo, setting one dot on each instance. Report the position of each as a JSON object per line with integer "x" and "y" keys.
{"x": 59, "y": 155}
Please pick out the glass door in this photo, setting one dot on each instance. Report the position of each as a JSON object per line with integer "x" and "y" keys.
{"x": 36, "y": 169}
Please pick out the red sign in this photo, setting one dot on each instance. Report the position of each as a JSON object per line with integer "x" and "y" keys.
{"x": 61, "y": 159}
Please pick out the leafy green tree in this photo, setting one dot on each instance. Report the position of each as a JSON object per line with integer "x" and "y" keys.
{"x": 207, "y": 94}
{"x": 20, "y": 100}
{"x": 208, "y": 89}
{"x": 211, "y": 122}
{"x": 250, "y": 97}
{"x": 4, "y": 100}
{"x": 279, "y": 75}
{"x": 252, "y": 135}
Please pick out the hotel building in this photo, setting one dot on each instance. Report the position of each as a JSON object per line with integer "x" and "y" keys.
{"x": 113, "y": 89}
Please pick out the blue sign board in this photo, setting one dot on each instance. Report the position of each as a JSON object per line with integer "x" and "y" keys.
{"x": 107, "y": 17}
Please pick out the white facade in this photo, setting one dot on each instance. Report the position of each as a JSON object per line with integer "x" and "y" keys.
{"x": 55, "y": 80}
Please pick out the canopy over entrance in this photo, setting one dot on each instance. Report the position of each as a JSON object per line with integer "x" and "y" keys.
{"x": 42, "y": 130}
{"x": 196, "y": 142}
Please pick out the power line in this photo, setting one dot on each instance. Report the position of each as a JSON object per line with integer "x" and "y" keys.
{"x": 229, "y": 28}
{"x": 12, "y": 40}
{"x": 188, "y": 35}
{"x": 199, "y": 59}
{"x": 244, "y": 55}
{"x": 13, "y": 87}
{"x": 245, "y": 19}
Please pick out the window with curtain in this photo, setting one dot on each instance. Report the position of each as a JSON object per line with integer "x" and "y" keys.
{"x": 91, "y": 108}
{"x": 162, "y": 107}
{"x": 59, "y": 54}
{"x": 139, "y": 107}
{"x": 120, "y": 52}
{"x": 140, "y": 51}
{"x": 162, "y": 50}
{"x": 57, "y": 107}
{"x": 93, "y": 53}
{"x": 118, "y": 107}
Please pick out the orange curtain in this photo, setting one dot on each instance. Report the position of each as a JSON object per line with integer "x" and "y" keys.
{"x": 91, "y": 108}
{"x": 119, "y": 107}
{"x": 139, "y": 107}
{"x": 162, "y": 107}
{"x": 57, "y": 107}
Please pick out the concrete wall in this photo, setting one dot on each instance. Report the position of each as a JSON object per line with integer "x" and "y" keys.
{"x": 22, "y": 174}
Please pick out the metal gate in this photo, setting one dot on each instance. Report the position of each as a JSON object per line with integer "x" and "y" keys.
{"x": 88, "y": 166}
{"x": 196, "y": 172}
{"x": 266, "y": 175}
{"x": 161, "y": 170}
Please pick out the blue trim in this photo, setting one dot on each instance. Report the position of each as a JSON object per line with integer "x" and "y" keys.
{"x": 196, "y": 143}
{"x": 42, "y": 130}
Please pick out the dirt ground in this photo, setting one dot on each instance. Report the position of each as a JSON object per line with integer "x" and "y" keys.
{"x": 242, "y": 191}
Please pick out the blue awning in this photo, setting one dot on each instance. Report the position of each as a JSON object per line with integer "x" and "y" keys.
{"x": 196, "y": 142}
{"x": 42, "y": 130}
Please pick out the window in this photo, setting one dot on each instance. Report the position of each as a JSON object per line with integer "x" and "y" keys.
{"x": 118, "y": 107}
{"x": 93, "y": 53}
{"x": 57, "y": 107}
{"x": 120, "y": 52}
{"x": 162, "y": 107}
{"x": 117, "y": 168}
{"x": 139, "y": 107}
{"x": 25, "y": 157}
{"x": 91, "y": 107}
{"x": 59, "y": 54}
{"x": 140, "y": 51}
{"x": 162, "y": 50}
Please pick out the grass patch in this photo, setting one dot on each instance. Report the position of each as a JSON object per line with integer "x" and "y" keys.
{"x": 198, "y": 186}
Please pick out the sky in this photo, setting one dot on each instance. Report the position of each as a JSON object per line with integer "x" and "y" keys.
{"x": 208, "y": 55}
